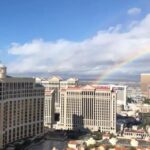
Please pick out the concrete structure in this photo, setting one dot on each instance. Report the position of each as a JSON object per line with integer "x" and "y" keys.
{"x": 56, "y": 83}
{"x": 135, "y": 93}
{"x": 137, "y": 134}
{"x": 21, "y": 108}
{"x": 145, "y": 83}
{"x": 49, "y": 108}
{"x": 121, "y": 93}
{"x": 92, "y": 107}
{"x": 74, "y": 144}
{"x": 52, "y": 83}
{"x": 143, "y": 108}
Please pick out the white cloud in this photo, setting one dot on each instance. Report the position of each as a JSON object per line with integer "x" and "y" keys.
{"x": 90, "y": 56}
{"x": 134, "y": 11}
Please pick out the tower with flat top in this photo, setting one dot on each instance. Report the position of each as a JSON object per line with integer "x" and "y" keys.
{"x": 3, "y": 71}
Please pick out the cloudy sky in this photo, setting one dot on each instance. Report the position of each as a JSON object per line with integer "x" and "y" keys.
{"x": 87, "y": 38}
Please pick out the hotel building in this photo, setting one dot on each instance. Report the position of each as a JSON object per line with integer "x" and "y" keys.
{"x": 121, "y": 97}
{"x": 92, "y": 107}
{"x": 49, "y": 108}
{"x": 56, "y": 83}
{"x": 145, "y": 84}
{"x": 21, "y": 108}
{"x": 121, "y": 94}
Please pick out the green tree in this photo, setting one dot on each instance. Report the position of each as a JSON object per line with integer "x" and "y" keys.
{"x": 130, "y": 100}
{"x": 132, "y": 148}
{"x": 146, "y": 101}
{"x": 97, "y": 135}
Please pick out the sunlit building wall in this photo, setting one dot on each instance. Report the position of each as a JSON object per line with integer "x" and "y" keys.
{"x": 21, "y": 108}
{"x": 145, "y": 83}
{"x": 121, "y": 91}
{"x": 56, "y": 83}
{"x": 91, "y": 107}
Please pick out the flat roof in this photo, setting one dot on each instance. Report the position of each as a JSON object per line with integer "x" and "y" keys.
{"x": 145, "y": 74}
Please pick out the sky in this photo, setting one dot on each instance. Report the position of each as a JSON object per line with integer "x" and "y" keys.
{"x": 82, "y": 38}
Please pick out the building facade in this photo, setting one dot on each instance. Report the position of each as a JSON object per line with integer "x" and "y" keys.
{"x": 145, "y": 84}
{"x": 136, "y": 134}
{"x": 56, "y": 83}
{"x": 53, "y": 85}
{"x": 121, "y": 93}
{"x": 91, "y": 107}
{"x": 134, "y": 92}
{"x": 21, "y": 108}
{"x": 49, "y": 108}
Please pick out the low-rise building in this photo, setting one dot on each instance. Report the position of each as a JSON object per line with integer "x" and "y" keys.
{"x": 137, "y": 134}
{"x": 74, "y": 144}
{"x": 139, "y": 107}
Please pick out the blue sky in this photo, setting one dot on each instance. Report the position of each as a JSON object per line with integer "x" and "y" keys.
{"x": 51, "y": 21}
{"x": 22, "y": 21}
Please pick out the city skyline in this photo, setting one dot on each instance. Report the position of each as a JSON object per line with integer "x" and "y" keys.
{"x": 76, "y": 38}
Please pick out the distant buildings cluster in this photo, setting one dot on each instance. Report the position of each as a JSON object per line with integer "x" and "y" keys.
{"x": 91, "y": 106}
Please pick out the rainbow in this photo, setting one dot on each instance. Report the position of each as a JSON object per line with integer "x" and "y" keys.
{"x": 108, "y": 72}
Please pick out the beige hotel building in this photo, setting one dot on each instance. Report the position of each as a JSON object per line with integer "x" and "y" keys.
{"x": 21, "y": 108}
{"x": 53, "y": 85}
{"x": 92, "y": 107}
{"x": 56, "y": 83}
{"x": 49, "y": 109}
{"x": 145, "y": 84}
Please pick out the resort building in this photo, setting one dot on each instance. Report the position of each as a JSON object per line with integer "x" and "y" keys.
{"x": 21, "y": 108}
{"x": 91, "y": 107}
{"x": 136, "y": 134}
{"x": 49, "y": 108}
{"x": 145, "y": 84}
{"x": 121, "y": 91}
{"x": 121, "y": 94}
{"x": 56, "y": 83}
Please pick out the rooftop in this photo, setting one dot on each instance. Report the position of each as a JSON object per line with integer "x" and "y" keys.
{"x": 2, "y": 65}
